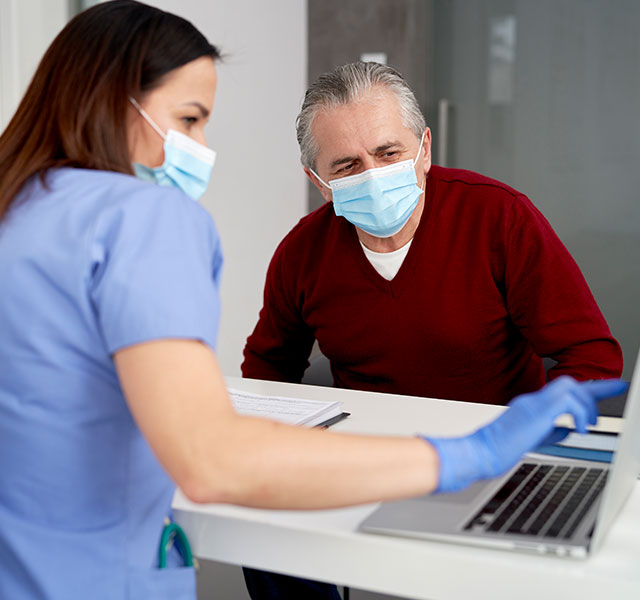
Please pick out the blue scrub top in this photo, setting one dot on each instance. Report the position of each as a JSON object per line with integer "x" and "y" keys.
{"x": 89, "y": 264}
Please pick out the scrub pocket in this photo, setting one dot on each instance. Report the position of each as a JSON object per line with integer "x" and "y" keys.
{"x": 162, "y": 584}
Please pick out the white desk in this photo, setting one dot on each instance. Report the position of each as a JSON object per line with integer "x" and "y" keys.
{"x": 326, "y": 545}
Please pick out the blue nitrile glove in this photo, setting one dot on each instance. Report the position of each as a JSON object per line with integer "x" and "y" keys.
{"x": 527, "y": 423}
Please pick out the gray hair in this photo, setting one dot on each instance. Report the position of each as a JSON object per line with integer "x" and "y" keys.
{"x": 344, "y": 85}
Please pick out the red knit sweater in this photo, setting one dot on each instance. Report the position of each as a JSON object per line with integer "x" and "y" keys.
{"x": 486, "y": 289}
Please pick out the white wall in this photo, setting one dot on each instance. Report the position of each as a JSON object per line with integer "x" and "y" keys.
{"x": 258, "y": 190}
{"x": 27, "y": 27}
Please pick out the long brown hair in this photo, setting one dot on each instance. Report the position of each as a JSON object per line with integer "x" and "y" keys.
{"x": 74, "y": 112}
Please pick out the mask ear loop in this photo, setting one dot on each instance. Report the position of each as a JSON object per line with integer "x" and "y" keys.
{"x": 320, "y": 179}
{"x": 424, "y": 183}
{"x": 147, "y": 118}
{"x": 415, "y": 160}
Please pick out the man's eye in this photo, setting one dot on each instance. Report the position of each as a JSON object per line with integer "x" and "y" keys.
{"x": 390, "y": 154}
{"x": 345, "y": 169}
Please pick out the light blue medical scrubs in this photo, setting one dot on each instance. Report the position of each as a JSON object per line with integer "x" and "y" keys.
{"x": 90, "y": 264}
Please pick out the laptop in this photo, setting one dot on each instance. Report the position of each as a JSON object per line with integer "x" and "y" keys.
{"x": 544, "y": 505}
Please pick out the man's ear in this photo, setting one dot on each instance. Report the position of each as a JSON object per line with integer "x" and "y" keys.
{"x": 426, "y": 146}
{"x": 326, "y": 192}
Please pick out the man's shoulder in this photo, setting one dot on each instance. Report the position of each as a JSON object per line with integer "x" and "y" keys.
{"x": 473, "y": 182}
{"x": 309, "y": 227}
{"x": 459, "y": 192}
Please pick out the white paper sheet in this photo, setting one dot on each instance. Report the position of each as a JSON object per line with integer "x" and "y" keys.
{"x": 294, "y": 411}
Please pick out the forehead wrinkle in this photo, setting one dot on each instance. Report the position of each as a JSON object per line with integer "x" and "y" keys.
{"x": 371, "y": 96}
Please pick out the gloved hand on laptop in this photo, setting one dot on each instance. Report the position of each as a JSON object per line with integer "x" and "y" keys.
{"x": 527, "y": 423}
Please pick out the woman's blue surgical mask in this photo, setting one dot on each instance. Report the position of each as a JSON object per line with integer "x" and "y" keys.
{"x": 378, "y": 201}
{"x": 187, "y": 164}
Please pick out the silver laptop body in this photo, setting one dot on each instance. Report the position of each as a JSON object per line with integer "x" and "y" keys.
{"x": 563, "y": 523}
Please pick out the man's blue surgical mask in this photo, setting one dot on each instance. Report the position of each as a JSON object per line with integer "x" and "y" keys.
{"x": 378, "y": 201}
{"x": 187, "y": 164}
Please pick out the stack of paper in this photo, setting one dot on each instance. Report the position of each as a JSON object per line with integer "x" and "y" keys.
{"x": 596, "y": 446}
{"x": 293, "y": 411}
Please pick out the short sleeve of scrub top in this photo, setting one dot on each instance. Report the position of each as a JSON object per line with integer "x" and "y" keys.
{"x": 156, "y": 271}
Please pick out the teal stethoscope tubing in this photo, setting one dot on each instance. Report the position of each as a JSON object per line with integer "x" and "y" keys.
{"x": 173, "y": 533}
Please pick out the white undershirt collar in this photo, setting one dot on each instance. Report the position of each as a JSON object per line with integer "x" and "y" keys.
{"x": 387, "y": 264}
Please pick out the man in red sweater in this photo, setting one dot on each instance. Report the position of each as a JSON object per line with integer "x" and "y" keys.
{"x": 416, "y": 279}
{"x": 462, "y": 302}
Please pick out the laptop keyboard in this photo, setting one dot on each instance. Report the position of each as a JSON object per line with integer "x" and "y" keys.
{"x": 541, "y": 500}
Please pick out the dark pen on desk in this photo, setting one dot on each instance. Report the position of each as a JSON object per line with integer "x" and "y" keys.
{"x": 333, "y": 420}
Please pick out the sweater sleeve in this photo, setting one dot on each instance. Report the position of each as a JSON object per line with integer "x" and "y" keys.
{"x": 279, "y": 347}
{"x": 550, "y": 301}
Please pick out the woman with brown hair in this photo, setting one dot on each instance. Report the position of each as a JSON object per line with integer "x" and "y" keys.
{"x": 109, "y": 387}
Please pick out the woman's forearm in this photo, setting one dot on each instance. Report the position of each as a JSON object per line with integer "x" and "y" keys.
{"x": 269, "y": 465}
{"x": 177, "y": 396}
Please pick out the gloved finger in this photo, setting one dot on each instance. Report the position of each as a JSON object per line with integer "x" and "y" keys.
{"x": 588, "y": 402}
{"x": 556, "y": 435}
{"x": 553, "y": 396}
{"x": 561, "y": 384}
{"x": 578, "y": 410}
{"x": 605, "y": 388}
{"x": 568, "y": 398}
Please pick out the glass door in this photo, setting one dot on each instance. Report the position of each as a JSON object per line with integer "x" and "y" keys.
{"x": 545, "y": 96}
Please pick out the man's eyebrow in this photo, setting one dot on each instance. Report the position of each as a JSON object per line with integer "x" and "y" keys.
{"x": 342, "y": 161}
{"x": 203, "y": 110}
{"x": 382, "y": 148}
{"x": 388, "y": 146}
